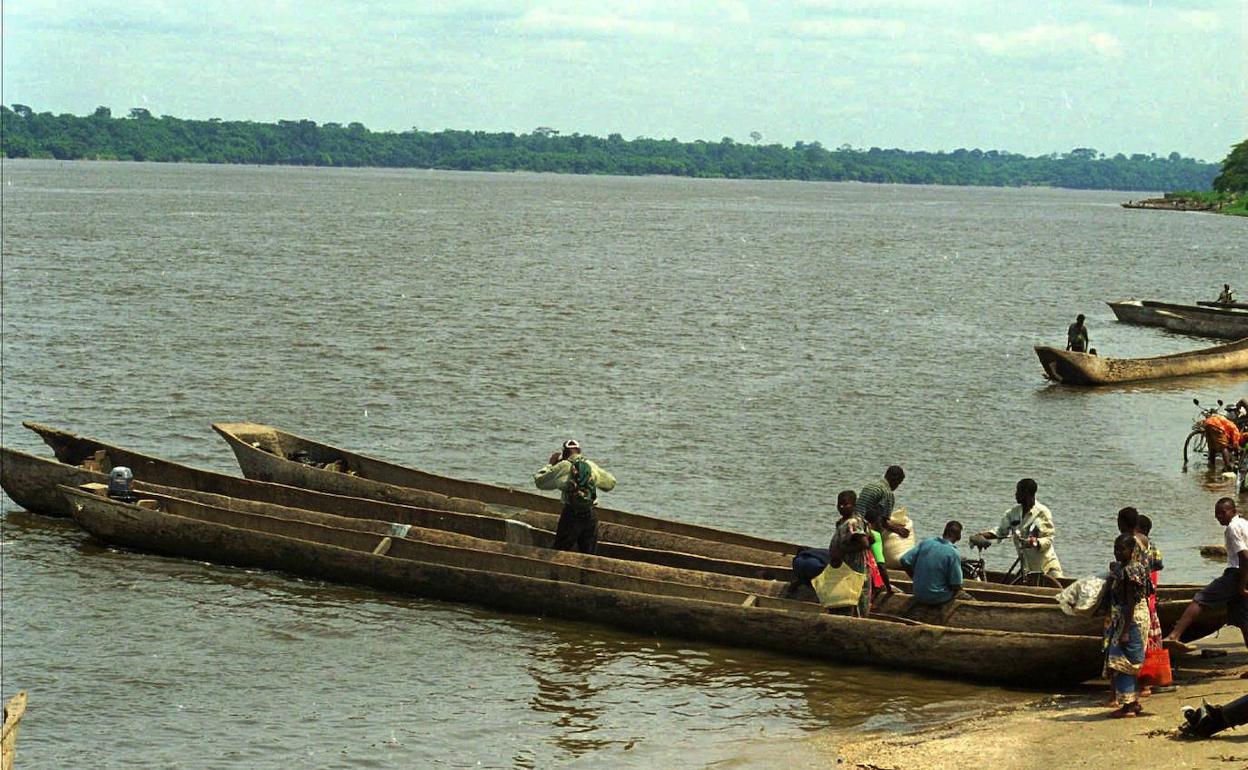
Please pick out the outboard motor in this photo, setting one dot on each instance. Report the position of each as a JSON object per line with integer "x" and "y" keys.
{"x": 120, "y": 484}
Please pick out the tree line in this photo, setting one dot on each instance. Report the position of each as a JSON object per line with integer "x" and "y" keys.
{"x": 141, "y": 136}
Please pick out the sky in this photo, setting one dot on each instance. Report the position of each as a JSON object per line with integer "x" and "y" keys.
{"x": 1146, "y": 76}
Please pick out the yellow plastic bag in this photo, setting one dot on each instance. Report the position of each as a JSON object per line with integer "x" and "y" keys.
{"x": 838, "y": 586}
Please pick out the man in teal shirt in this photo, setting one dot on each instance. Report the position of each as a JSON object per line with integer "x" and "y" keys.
{"x": 935, "y": 566}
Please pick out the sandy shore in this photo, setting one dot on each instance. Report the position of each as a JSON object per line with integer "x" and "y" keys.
{"x": 1073, "y": 730}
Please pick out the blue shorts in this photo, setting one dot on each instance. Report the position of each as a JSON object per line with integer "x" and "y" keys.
{"x": 1225, "y": 590}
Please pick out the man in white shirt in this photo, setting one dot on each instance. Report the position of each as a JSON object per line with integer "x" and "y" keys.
{"x": 1228, "y": 588}
{"x": 1030, "y": 525}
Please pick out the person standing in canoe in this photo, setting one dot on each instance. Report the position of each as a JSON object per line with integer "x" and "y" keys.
{"x": 876, "y": 501}
{"x": 1077, "y": 336}
{"x": 578, "y": 481}
{"x": 851, "y": 546}
{"x": 1030, "y": 525}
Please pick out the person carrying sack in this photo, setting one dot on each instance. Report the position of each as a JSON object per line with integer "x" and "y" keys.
{"x": 578, "y": 480}
{"x": 844, "y": 583}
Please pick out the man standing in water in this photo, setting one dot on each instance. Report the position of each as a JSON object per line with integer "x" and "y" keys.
{"x": 1226, "y": 589}
{"x": 1077, "y": 336}
{"x": 1030, "y": 525}
{"x": 578, "y": 481}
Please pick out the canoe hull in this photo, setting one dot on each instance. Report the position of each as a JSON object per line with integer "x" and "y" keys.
{"x": 1070, "y": 368}
{"x": 31, "y": 481}
{"x": 1224, "y": 323}
{"x": 498, "y": 542}
{"x": 262, "y": 453}
{"x": 990, "y": 655}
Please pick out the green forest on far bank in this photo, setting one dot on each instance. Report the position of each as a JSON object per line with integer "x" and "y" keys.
{"x": 141, "y": 136}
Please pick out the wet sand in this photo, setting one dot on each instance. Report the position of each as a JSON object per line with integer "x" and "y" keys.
{"x": 1073, "y": 730}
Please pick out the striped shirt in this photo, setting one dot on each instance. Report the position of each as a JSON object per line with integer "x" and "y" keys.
{"x": 875, "y": 502}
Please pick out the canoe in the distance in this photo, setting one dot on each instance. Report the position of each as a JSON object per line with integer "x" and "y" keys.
{"x": 1069, "y": 368}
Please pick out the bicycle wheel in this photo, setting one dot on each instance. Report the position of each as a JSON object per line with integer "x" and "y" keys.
{"x": 1194, "y": 445}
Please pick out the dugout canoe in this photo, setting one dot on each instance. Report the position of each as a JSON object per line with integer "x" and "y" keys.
{"x": 31, "y": 482}
{"x": 1224, "y": 323}
{"x": 90, "y": 453}
{"x": 1069, "y": 368}
{"x": 1002, "y": 615}
{"x": 265, "y": 453}
{"x": 14, "y": 710}
{"x": 536, "y": 586}
{"x": 26, "y": 476}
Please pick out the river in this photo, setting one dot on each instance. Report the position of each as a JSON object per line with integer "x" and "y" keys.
{"x": 735, "y": 352}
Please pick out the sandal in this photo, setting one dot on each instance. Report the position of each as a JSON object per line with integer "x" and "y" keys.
{"x": 1174, "y": 645}
{"x": 1126, "y": 710}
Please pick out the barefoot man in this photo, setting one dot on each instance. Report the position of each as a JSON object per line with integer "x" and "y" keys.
{"x": 1228, "y": 588}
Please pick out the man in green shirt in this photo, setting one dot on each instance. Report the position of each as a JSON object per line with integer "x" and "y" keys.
{"x": 578, "y": 480}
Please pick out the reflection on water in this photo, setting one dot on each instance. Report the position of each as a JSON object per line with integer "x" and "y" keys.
{"x": 742, "y": 351}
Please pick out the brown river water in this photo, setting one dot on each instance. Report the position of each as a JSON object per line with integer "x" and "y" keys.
{"x": 735, "y": 352}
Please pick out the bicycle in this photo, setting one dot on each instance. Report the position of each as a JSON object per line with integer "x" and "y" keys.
{"x": 1196, "y": 443}
{"x": 974, "y": 569}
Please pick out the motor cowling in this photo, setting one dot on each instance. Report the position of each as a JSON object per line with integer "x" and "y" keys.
{"x": 121, "y": 484}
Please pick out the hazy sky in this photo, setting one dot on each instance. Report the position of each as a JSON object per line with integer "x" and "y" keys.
{"x": 1031, "y": 77}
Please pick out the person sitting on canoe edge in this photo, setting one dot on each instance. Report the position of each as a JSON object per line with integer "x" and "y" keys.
{"x": 1226, "y": 589}
{"x": 578, "y": 480}
{"x": 1077, "y": 336}
{"x": 935, "y": 566}
{"x": 1227, "y": 296}
{"x": 1030, "y": 525}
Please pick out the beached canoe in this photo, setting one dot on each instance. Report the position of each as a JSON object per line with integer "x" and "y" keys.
{"x": 265, "y": 453}
{"x": 543, "y": 587}
{"x": 1224, "y": 323}
{"x": 14, "y": 709}
{"x": 1044, "y": 617}
{"x": 1070, "y": 368}
{"x": 31, "y": 481}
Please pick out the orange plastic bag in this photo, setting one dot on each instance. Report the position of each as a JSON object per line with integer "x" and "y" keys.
{"x": 1156, "y": 669}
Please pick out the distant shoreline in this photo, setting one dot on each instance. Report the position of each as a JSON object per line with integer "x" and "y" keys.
{"x": 1212, "y": 202}
{"x": 141, "y": 136}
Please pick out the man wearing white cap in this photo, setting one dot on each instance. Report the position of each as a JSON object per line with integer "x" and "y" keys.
{"x": 578, "y": 481}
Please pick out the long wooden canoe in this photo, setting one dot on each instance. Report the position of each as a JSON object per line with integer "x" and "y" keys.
{"x": 250, "y": 514}
{"x": 1070, "y": 368}
{"x": 14, "y": 709}
{"x": 541, "y": 586}
{"x": 265, "y": 453}
{"x": 31, "y": 481}
{"x": 1225, "y": 323}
